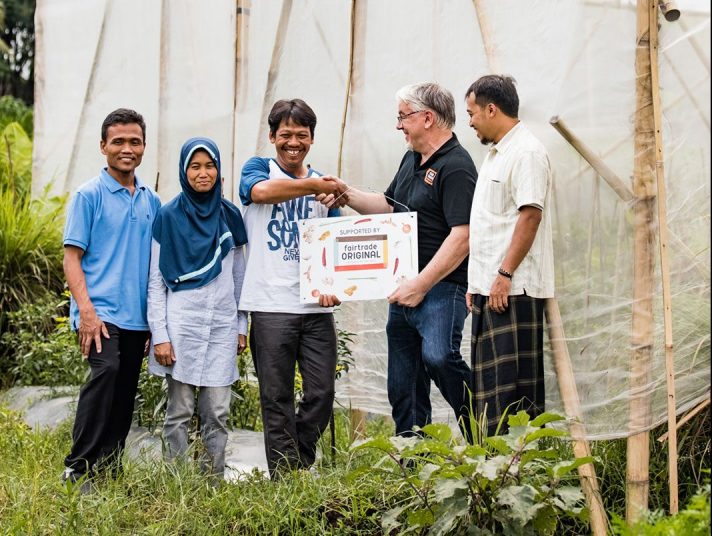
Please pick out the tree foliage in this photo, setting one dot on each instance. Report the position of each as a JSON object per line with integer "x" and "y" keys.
{"x": 17, "y": 48}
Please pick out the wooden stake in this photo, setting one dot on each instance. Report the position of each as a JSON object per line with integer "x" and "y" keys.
{"x": 664, "y": 258}
{"x": 638, "y": 453}
{"x": 358, "y": 424}
{"x": 596, "y": 162}
{"x": 617, "y": 184}
{"x": 347, "y": 97}
{"x": 572, "y": 407}
{"x": 163, "y": 52}
{"x": 242, "y": 26}
{"x": 490, "y": 51}
{"x": 702, "y": 405}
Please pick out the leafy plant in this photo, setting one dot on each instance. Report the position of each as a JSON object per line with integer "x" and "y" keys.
{"x": 151, "y": 399}
{"x": 245, "y": 409}
{"x": 43, "y": 347}
{"x": 30, "y": 229}
{"x": 508, "y": 485}
{"x": 14, "y": 110}
{"x": 15, "y": 159}
{"x": 694, "y": 520}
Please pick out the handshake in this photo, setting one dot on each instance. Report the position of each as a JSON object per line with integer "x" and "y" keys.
{"x": 332, "y": 191}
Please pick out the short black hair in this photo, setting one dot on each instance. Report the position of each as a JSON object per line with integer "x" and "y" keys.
{"x": 123, "y": 116}
{"x": 295, "y": 110}
{"x": 496, "y": 89}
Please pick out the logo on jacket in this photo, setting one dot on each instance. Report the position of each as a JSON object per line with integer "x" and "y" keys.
{"x": 430, "y": 176}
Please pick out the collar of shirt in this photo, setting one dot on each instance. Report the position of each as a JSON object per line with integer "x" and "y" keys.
{"x": 114, "y": 186}
{"x": 502, "y": 145}
{"x": 444, "y": 148}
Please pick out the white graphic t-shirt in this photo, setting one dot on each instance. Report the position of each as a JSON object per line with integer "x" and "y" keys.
{"x": 272, "y": 276}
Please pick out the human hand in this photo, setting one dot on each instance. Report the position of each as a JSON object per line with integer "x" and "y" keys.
{"x": 241, "y": 343}
{"x": 468, "y": 301}
{"x": 91, "y": 329}
{"x": 499, "y": 294}
{"x": 163, "y": 353}
{"x": 408, "y": 294}
{"x": 334, "y": 195}
{"x": 147, "y": 346}
{"x": 329, "y": 300}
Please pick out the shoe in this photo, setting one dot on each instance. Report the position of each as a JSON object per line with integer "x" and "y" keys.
{"x": 70, "y": 478}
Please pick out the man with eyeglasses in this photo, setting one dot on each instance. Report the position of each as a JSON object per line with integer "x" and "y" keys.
{"x": 436, "y": 179}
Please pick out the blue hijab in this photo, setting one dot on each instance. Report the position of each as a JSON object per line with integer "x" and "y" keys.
{"x": 196, "y": 230}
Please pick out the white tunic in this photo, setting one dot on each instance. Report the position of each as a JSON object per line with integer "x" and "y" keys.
{"x": 202, "y": 324}
{"x": 515, "y": 173}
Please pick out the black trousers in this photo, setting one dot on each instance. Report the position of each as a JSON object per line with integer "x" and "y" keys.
{"x": 278, "y": 341}
{"x": 106, "y": 401}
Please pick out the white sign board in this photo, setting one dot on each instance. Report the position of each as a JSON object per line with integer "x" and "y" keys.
{"x": 357, "y": 257}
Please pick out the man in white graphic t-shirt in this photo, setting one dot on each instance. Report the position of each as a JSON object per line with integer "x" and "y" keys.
{"x": 276, "y": 193}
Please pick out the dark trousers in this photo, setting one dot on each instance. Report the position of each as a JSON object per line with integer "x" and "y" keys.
{"x": 106, "y": 401}
{"x": 424, "y": 345}
{"x": 279, "y": 341}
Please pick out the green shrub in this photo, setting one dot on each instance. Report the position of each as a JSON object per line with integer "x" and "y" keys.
{"x": 30, "y": 249}
{"x": 30, "y": 230}
{"x": 43, "y": 348}
{"x": 15, "y": 160}
{"x": 694, "y": 520}
{"x": 13, "y": 110}
{"x": 508, "y": 485}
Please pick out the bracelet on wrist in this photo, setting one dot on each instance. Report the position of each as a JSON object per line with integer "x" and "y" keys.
{"x": 504, "y": 273}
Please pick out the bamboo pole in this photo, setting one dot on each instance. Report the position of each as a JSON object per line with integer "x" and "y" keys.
{"x": 664, "y": 258}
{"x": 490, "y": 51}
{"x": 242, "y": 25}
{"x": 638, "y": 450}
{"x": 277, "y": 50}
{"x": 358, "y": 424}
{"x": 572, "y": 407}
{"x": 594, "y": 160}
{"x": 164, "y": 45}
{"x": 694, "y": 411}
{"x": 349, "y": 77}
{"x": 618, "y": 185}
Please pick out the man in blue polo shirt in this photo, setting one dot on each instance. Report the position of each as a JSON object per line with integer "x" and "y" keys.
{"x": 107, "y": 245}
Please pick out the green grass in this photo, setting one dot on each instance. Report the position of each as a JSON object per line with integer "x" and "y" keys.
{"x": 168, "y": 499}
{"x": 156, "y": 498}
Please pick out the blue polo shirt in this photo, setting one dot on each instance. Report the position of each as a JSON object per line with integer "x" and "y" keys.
{"x": 114, "y": 230}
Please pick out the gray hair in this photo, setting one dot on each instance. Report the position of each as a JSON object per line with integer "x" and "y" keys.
{"x": 430, "y": 96}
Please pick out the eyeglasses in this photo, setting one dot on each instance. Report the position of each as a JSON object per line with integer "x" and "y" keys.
{"x": 399, "y": 118}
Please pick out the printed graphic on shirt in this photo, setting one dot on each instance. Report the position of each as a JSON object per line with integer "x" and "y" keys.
{"x": 283, "y": 229}
{"x": 430, "y": 176}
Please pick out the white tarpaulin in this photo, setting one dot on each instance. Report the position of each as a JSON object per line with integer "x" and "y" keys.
{"x": 215, "y": 68}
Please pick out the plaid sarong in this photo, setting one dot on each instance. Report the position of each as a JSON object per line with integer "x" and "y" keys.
{"x": 507, "y": 359}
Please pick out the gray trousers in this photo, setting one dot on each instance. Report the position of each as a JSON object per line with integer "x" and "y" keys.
{"x": 279, "y": 341}
{"x": 213, "y": 408}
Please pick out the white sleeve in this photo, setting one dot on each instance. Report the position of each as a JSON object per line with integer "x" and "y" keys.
{"x": 157, "y": 298}
{"x": 238, "y": 275}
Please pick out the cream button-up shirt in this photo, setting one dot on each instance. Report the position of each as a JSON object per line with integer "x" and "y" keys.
{"x": 515, "y": 173}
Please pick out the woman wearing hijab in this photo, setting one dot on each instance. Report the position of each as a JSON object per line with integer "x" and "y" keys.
{"x": 197, "y": 269}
